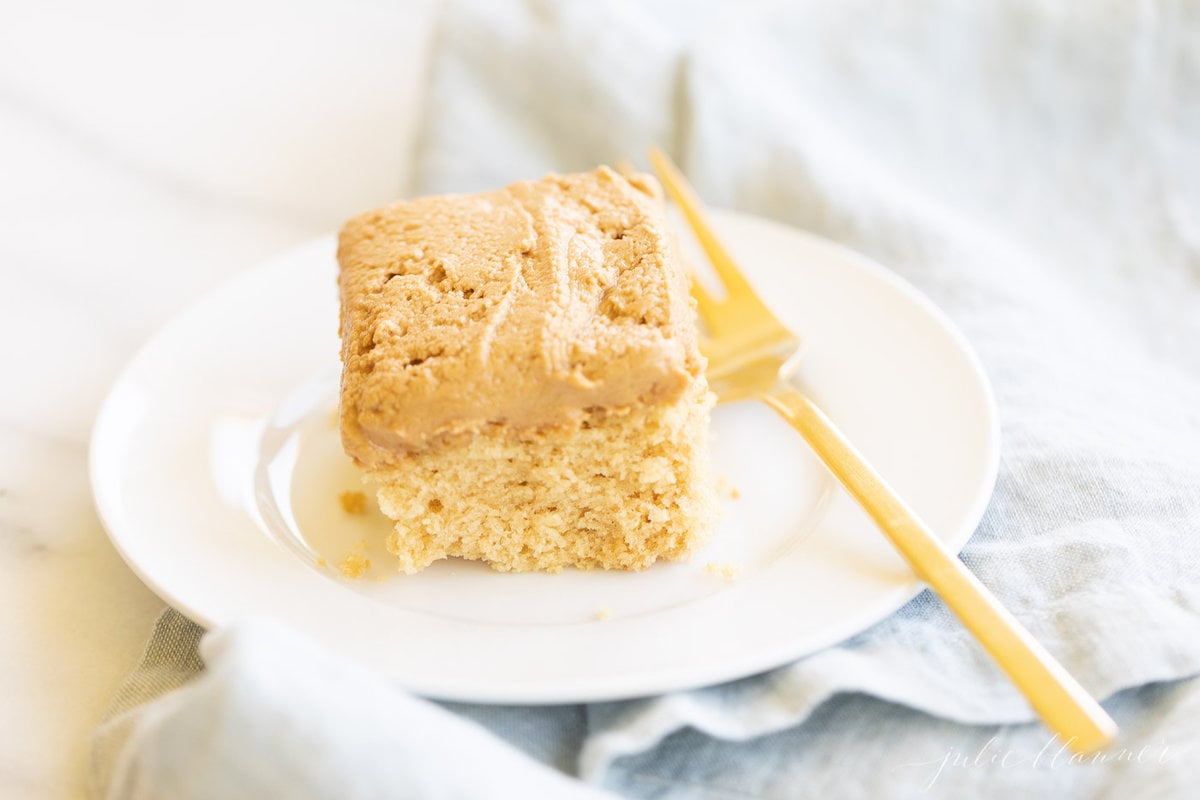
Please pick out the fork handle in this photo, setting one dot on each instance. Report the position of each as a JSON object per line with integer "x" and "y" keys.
{"x": 1064, "y": 705}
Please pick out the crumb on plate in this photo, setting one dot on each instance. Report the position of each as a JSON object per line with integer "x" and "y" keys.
{"x": 726, "y": 488}
{"x": 727, "y": 571}
{"x": 355, "y": 563}
{"x": 353, "y": 502}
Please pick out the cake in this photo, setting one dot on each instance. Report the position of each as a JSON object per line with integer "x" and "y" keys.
{"x": 520, "y": 376}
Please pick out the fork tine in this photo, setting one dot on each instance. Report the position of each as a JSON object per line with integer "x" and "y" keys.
{"x": 685, "y": 197}
{"x": 704, "y": 301}
{"x": 704, "y": 342}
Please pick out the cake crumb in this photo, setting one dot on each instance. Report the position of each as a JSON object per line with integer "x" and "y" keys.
{"x": 603, "y": 614}
{"x": 321, "y": 562}
{"x": 728, "y": 570}
{"x": 355, "y": 563}
{"x": 725, "y": 487}
{"x": 353, "y": 502}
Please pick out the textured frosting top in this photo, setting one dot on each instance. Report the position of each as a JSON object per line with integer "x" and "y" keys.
{"x": 522, "y": 307}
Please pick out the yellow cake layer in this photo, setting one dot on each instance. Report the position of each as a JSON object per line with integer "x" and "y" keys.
{"x": 628, "y": 487}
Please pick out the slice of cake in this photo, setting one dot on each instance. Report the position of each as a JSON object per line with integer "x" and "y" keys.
{"x": 521, "y": 378}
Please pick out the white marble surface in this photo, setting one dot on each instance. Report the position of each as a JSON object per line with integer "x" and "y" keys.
{"x": 147, "y": 154}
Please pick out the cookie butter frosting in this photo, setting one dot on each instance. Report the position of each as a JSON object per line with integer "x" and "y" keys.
{"x": 524, "y": 307}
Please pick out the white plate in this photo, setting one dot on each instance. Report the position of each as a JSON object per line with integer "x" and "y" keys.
{"x": 216, "y": 469}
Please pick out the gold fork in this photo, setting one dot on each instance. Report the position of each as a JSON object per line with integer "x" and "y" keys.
{"x": 751, "y": 356}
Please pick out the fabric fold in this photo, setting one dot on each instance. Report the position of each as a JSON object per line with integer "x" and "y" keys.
{"x": 276, "y": 715}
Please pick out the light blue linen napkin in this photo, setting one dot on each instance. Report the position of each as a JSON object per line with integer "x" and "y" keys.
{"x": 1032, "y": 168}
